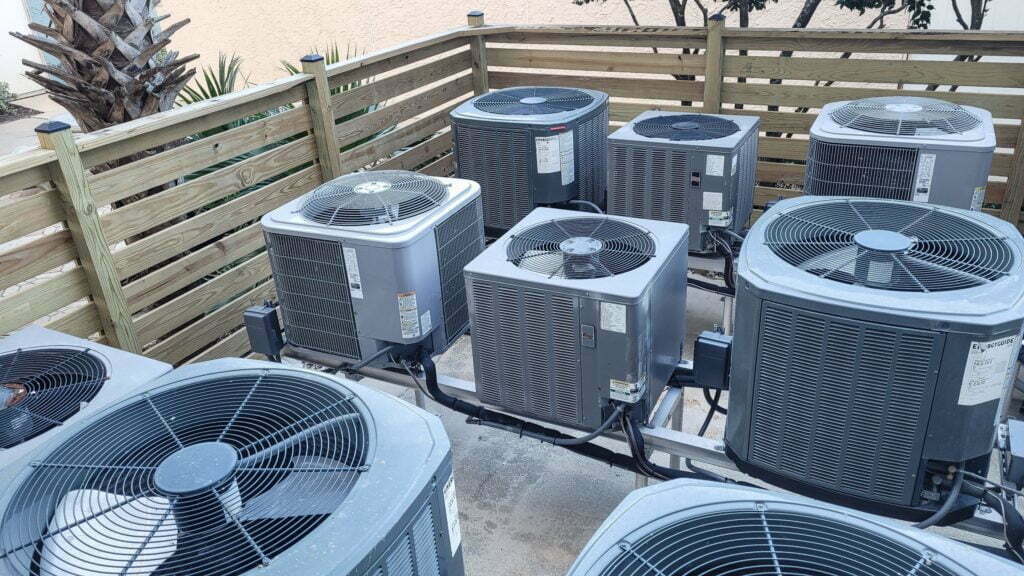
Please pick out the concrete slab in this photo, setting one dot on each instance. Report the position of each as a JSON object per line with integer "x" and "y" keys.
{"x": 19, "y": 135}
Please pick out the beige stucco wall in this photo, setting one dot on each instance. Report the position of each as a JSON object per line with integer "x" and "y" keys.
{"x": 264, "y": 32}
{"x": 14, "y": 18}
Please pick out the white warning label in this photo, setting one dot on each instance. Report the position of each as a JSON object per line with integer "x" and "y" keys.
{"x": 567, "y": 157}
{"x": 613, "y": 317}
{"x": 714, "y": 165}
{"x": 923, "y": 185}
{"x": 979, "y": 198}
{"x": 712, "y": 200}
{"x": 988, "y": 370}
{"x": 549, "y": 159}
{"x": 408, "y": 314}
{"x": 451, "y": 510}
{"x": 425, "y": 322}
{"x": 355, "y": 284}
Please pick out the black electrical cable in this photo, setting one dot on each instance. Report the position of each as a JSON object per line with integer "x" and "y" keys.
{"x": 636, "y": 446}
{"x": 1013, "y": 523}
{"x": 364, "y": 363}
{"x": 947, "y": 506}
{"x": 739, "y": 238}
{"x": 725, "y": 249}
{"x": 604, "y": 427}
{"x": 712, "y": 405}
{"x": 993, "y": 483}
{"x": 710, "y": 287}
{"x": 713, "y": 402}
{"x": 479, "y": 414}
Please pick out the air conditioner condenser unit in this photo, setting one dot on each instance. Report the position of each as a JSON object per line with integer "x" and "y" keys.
{"x": 571, "y": 311}
{"x": 373, "y": 259}
{"x": 901, "y": 148}
{"x": 698, "y": 169}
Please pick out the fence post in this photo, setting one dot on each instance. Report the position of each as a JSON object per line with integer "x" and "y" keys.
{"x": 318, "y": 97}
{"x": 1014, "y": 199}
{"x": 72, "y": 182}
{"x": 713, "y": 67}
{"x": 478, "y": 51}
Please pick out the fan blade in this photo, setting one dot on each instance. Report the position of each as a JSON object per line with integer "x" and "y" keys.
{"x": 93, "y": 533}
{"x": 303, "y": 493}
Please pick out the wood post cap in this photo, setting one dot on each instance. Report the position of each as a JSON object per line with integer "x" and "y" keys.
{"x": 475, "y": 14}
{"x": 311, "y": 58}
{"x": 52, "y": 126}
{"x": 717, "y": 17}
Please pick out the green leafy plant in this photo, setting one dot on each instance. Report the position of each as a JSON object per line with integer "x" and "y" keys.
{"x": 5, "y": 97}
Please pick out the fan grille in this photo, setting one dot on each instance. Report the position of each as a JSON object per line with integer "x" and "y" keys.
{"x": 890, "y": 246}
{"x": 533, "y": 100}
{"x": 127, "y": 494}
{"x": 905, "y": 116}
{"x": 778, "y": 543}
{"x": 581, "y": 248}
{"x": 41, "y": 388}
{"x": 686, "y": 127}
{"x": 375, "y": 197}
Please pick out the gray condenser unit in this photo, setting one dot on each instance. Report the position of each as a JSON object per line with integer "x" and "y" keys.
{"x": 372, "y": 259}
{"x": 49, "y": 379}
{"x": 876, "y": 340}
{"x": 570, "y": 312}
{"x": 688, "y": 527}
{"x": 237, "y": 468}
{"x": 692, "y": 168}
{"x": 532, "y": 146}
{"x": 901, "y": 148}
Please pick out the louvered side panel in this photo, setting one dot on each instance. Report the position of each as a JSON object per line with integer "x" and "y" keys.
{"x": 592, "y": 157}
{"x": 312, "y": 287}
{"x": 486, "y": 337}
{"x": 526, "y": 351}
{"x": 565, "y": 358}
{"x": 745, "y": 174}
{"x": 841, "y": 403}
{"x": 864, "y": 171}
{"x": 415, "y": 551}
{"x": 499, "y": 161}
{"x": 459, "y": 239}
{"x": 647, "y": 182}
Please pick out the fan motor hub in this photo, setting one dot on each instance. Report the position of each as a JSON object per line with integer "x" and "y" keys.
{"x": 903, "y": 108}
{"x": 685, "y": 125}
{"x": 581, "y": 246}
{"x": 533, "y": 100}
{"x": 372, "y": 187}
{"x": 12, "y": 394}
{"x": 883, "y": 241}
{"x": 195, "y": 469}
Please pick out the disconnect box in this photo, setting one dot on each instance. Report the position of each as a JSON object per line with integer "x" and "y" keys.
{"x": 711, "y": 360}
{"x": 264, "y": 330}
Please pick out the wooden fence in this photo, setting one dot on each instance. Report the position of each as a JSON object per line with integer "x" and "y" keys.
{"x": 146, "y": 235}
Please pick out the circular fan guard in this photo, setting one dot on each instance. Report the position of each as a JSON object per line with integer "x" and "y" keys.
{"x": 581, "y": 248}
{"x": 905, "y": 116}
{"x": 366, "y": 198}
{"x": 779, "y": 543}
{"x": 533, "y": 100}
{"x": 134, "y": 493}
{"x": 890, "y": 246}
{"x": 686, "y": 127}
{"x": 41, "y": 388}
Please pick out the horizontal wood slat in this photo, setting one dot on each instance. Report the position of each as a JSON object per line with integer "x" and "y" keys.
{"x": 206, "y": 297}
{"x": 1001, "y": 105}
{"x": 589, "y": 38}
{"x": 33, "y": 212}
{"x": 42, "y": 299}
{"x": 158, "y": 209}
{"x": 373, "y": 123}
{"x": 995, "y": 74}
{"x": 599, "y": 61}
{"x": 124, "y": 181}
{"x": 620, "y": 87}
{"x": 407, "y": 135}
{"x": 345, "y": 73}
{"x": 212, "y": 327}
{"x": 349, "y": 101}
{"x": 83, "y": 322}
{"x": 163, "y": 282}
{"x": 443, "y": 166}
{"x": 419, "y": 154}
{"x": 176, "y": 239}
{"x": 34, "y": 257}
{"x": 233, "y": 346}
